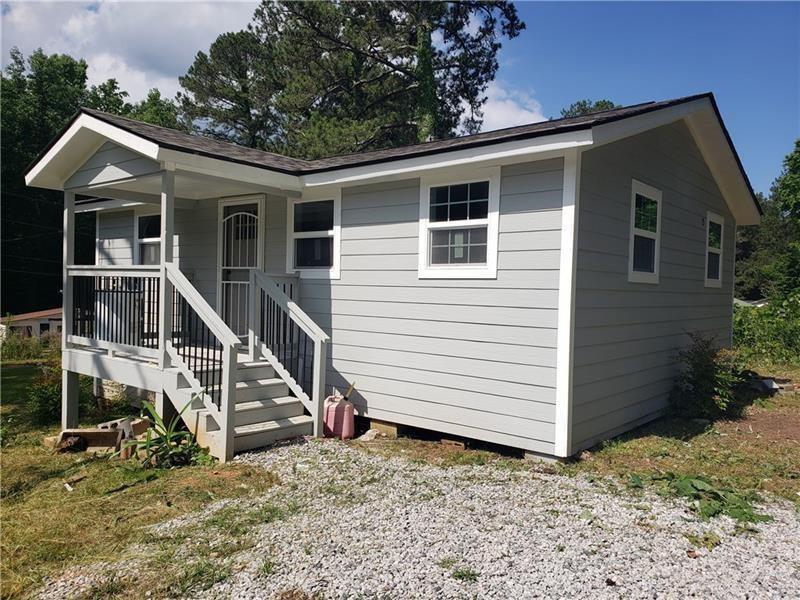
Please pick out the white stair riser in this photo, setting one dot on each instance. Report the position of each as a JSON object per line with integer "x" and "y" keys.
{"x": 272, "y": 413}
{"x": 257, "y": 440}
{"x": 259, "y": 372}
{"x": 255, "y": 391}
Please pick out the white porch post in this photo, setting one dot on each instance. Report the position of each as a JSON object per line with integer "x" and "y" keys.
{"x": 69, "y": 379}
{"x": 167, "y": 251}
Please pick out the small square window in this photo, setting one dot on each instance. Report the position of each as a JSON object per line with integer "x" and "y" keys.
{"x": 313, "y": 253}
{"x": 313, "y": 216}
{"x": 458, "y": 246}
{"x": 644, "y": 254}
{"x": 149, "y": 227}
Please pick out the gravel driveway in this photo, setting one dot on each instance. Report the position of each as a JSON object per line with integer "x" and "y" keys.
{"x": 366, "y": 526}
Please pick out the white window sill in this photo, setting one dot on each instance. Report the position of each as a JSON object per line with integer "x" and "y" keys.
{"x": 713, "y": 283}
{"x": 457, "y": 273}
{"x": 640, "y": 277}
{"x": 316, "y": 273}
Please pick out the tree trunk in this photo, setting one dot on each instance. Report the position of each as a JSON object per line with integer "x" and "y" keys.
{"x": 426, "y": 98}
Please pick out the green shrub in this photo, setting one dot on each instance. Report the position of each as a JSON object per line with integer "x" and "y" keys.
{"x": 15, "y": 346}
{"x": 43, "y": 401}
{"x": 769, "y": 334}
{"x": 705, "y": 387}
{"x": 167, "y": 445}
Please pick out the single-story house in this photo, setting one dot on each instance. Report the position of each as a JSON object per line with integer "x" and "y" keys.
{"x": 32, "y": 324}
{"x": 528, "y": 286}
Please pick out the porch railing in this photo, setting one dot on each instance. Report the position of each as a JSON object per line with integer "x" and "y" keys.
{"x": 114, "y": 308}
{"x": 204, "y": 349}
{"x": 290, "y": 340}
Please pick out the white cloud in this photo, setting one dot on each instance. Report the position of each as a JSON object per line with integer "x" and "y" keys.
{"x": 141, "y": 44}
{"x": 506, "y": 106}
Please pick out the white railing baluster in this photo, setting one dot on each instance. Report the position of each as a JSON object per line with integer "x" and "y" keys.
{"x": 314, "y": 397}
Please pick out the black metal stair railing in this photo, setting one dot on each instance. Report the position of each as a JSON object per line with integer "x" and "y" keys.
{"x": 197, "y": 346}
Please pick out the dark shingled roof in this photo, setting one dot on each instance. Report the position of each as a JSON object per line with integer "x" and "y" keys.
{"x": 204, "y": 146}
{"x": 185, "y": 142}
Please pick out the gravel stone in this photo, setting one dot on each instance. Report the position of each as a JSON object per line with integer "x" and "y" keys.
{"x": 368, "y": 526}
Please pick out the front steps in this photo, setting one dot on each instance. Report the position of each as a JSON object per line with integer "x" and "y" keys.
{"x": 265, "y": 412}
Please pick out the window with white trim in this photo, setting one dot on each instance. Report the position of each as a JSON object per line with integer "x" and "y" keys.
{"x": 458, "y": 227}
{"x": 148, "y": 239}
{"x": 313, "y": 237}
{"x": 715, "y": 226}
{"x": 645, "y": 234}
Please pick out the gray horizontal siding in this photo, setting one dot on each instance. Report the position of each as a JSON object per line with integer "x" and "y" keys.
{"x": 111, "y": 163}
{"x": 466, "y": 357}
{"x": 627, "y": 335}
{"x": 115, "y": 238}
{"x": 196, "y": 232}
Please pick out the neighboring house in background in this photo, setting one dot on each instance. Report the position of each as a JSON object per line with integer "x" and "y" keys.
{"x": 32, "y": 324}
{"x": 528, "y": 286}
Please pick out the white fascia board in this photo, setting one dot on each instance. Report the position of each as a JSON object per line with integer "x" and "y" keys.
{"x": 489, "y": 155}
{"x": 81, "y": 140}
{"x": 629, "y": 126}
{"x": 710, "y": 139}
{"x": 225, "y": 169}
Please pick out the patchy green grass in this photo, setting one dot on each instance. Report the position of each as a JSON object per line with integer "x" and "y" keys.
{"x": 708, "y": 540}
{"x": 47, "y": 528}
{"x": 465, "y": 574}
{"x": 734, "y": 460}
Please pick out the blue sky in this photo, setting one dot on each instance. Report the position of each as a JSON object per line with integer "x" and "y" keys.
{"x": 746, "y": 53}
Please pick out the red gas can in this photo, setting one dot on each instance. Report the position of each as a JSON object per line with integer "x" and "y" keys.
{"x": 338, "y": 416}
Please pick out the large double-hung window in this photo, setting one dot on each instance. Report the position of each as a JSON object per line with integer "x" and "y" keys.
{"x": 645, "y": 234}
{"x": 458, "y": 226}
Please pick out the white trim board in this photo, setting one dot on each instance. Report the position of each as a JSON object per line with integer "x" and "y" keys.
{"x": 568, "y": 268}
{"x": 453, "y": 177}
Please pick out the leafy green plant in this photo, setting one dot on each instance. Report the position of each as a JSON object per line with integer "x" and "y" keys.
{"x": 708, "y": 500}
{"x": 769, "y": 334}
{"x": 705, "y": 387}
{"x": 167, "y": 445}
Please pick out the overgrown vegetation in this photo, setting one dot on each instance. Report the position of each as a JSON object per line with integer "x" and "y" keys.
{"x": 47, "y": 528}
{"x": 43, "y": 397}
{"x": 707, "y": 500}
{"x": 16, "y": 347}
{"x": 707, "y": 382}
{"x": 167, "y": 445}
{"x": 769, "y": 335}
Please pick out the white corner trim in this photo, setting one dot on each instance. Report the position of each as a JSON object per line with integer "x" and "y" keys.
{"x": 334, "y": 272}
{"x": 568, "y": 267}
{"x": 638, "y": 187}
{"x": 451, "y": 177}
{"x": 712, "y": 217}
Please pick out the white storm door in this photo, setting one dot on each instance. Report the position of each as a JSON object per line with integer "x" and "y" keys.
{"x": 240, "y": 250}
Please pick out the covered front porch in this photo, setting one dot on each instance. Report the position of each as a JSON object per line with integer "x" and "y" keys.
{"x": 182, "y": 304}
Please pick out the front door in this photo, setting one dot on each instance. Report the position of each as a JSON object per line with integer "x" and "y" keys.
{"x": 241, "y": 244}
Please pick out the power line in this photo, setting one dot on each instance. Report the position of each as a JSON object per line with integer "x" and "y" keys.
{"x": 52, "y": 274}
